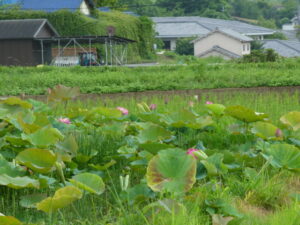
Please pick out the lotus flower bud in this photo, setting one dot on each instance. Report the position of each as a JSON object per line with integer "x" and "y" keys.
{"x": 153, "y": 107}
{"x": 64, "y": 120}
{"x": 123, "y": 110}
{"x": 209, "y": 103}
{"x": 278, "y": 133}
{"x": 191, "y": 104}
{"x": 196, "y": 97}
{"x": 196, "y": 153}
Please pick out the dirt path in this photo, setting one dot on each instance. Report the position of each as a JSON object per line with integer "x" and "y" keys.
{"x": 287, "y": 89}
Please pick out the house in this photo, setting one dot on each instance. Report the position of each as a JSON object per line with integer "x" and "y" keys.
{"x": 222, "y": 42}
{"x": 295, "y": 22}
{"x": 285, "y": 48}
{"x": 20, "y": 45}
{"x": 169, "y": 29}
{"x": 84, "y": 6}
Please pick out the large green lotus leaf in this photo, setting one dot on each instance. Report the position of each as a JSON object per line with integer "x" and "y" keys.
{"x": 30, "y": 201}
{"x": 39, "y": 106}
{"x": 214, "y": 165}
{"x": 283, "y": 156}
{"x": 244, "y": 114}
{"x": 137, "y": 193}
{"x": 16, "y": 141}
{"x": 171, "y": 170}
{"x": 114, "y": 128}
{"x": 10, "y": 169}
{"x": 18, "y": 182}
{"x": 291, "y": 119}
{"x": 154, "y": 133}
{"x": 39, "y": 160}
{"x": 180, "y": 118}
{"x": 266, "y": 131}
{"x": 16, "y": 101}
{"x": 89, "y": 182}
{"x": 44, "y": 137}
{"x": 153, "y": 117}
{"x": 101, "y": 113}
{"x": 62, "y": 198}
{"x": 154, "y": 147}
{"x": 62, "y": 93}
{"x": 9, "y": 220}
{"x": 68, "y": 146}
{"x": 31, "y": 125}
{"x": 216, "y": 109}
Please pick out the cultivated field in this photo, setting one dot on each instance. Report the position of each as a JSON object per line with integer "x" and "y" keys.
{"x": 214, "y": 158}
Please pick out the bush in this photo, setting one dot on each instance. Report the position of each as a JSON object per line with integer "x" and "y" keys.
{"x": 184, "y": 46}
{"x": 263, "y": 55}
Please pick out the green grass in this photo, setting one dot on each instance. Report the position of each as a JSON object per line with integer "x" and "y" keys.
{"x": 35, "y": 81}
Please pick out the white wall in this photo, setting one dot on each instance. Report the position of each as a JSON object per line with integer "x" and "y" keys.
{"x": 288, "y": 27}
{"x": 223, "y": 41}
{"x": 84, "y": 9}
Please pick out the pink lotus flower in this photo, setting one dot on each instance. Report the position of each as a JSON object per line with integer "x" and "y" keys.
{"x": 209, "y": 103}
{"x": 123, "y": 111}
{"x": 191, "y": 151}
{"x": 64, "y": 120}
{"x": 197, "y": 154}
{"x": 278, "y": 133}
{"x": 152, "y": 107}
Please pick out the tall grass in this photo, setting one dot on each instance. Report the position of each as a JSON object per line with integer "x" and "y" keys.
{"x": 35, "y": 81}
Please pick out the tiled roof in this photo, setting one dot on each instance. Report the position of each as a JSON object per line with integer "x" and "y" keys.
{"x": 231, "y": 33}
{"x": 285, "y": 48}
{"x": 23, "y": 29}
{"x": 202, "y": 26}
{"x": 222, "y": 51}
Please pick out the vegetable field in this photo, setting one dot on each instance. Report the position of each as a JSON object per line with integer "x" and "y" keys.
{"x": 34, "y": 81}
{"x": 212, "y": 159}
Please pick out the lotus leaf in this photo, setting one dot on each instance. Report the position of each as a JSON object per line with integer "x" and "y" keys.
{"x": 9, "y": 220}
{"x": 16, "y": 101}
{"x": 283, "y": 156}
{"x": 266, "y": 131}
{"x": 291, "y": 119}
{"x": 89, "y": 182}
{"x": 154, "y": 133}
{"x": 18, "y": 182}
{"x": 214, "y": 165}
{"x": 39, "y": 160}
{"x": 154, "y": 147}
{"x": 216, "y": 109}
{"x": 68, "y": 146}
{"x": 62, "y": 93}
{"x": 30, "y": 201}
{"x": 185, "y": 118}
{"x": 171, "y": 170}
{"x": 62, "y": 198}
{"x": 44, "y": 137}
{"x": 10, "y": 169}
{"x": 137, "y": 193}
{"x": 244, "y": 114}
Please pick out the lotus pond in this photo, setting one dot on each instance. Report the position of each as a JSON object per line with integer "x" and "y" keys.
{"x": 210, "y": 159}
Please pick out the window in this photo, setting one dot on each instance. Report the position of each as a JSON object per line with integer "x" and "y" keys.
{"x": 248, "y": 47}
{"x": 244, "y": 47}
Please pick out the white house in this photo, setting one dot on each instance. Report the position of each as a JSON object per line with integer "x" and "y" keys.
{"x": 224, "y": 43}
{"x": 170, "y": 29}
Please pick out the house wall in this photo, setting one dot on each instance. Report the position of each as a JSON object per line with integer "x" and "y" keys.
{"x": 222, "y": 41}
{"x": 16, "y": 53}
{"x": 84, "y": 9}
{"x": 288, "y": 27}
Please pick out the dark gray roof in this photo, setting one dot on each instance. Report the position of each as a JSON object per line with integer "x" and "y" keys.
{"x": 290, "y": 34}
{"x": 285, "y": 48}
{"x": 201, "y": 26}
{"x": 222, "y": 51}
{"x": 23, "y": 29}
{"x": 231, "y": 33}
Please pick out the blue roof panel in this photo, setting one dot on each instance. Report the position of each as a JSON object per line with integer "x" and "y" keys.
{"x": 50, "y": 5}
